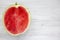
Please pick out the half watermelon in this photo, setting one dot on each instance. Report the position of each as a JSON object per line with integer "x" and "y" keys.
{"x": 16, "y": 19}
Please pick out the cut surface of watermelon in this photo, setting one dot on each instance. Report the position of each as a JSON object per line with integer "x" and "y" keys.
{"x": 16, "y": 19}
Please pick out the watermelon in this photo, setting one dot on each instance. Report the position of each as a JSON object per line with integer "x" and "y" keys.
{"x": 16, "y": 19}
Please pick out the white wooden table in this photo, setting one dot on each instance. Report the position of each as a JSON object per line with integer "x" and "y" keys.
{"x": 45, "y": 24}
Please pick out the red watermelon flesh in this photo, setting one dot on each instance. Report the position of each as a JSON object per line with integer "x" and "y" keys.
{"x": 16, "y": 20}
